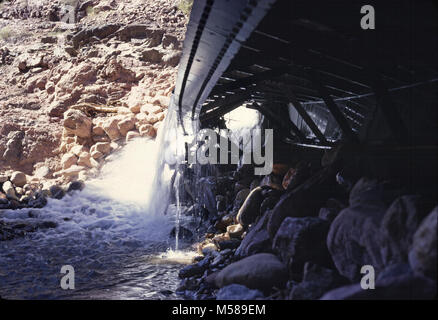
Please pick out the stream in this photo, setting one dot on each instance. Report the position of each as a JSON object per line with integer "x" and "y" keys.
{"x": 117, "y": 243}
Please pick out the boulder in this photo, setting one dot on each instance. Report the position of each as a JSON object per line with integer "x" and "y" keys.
{"x": 76, "y": 186}
{"x": 423, "y": 253}
{"x": 238, "y": 292}
{"x": 150, "y": 109}
{"x": 353, "y": 239}
{"x": 85, "y": 160}
{"x": 147, "y": 130}
{"x": 304, "y": 200}
{"x": 77, "y": 123}
{"x": 18, "y": 179}
{"x": 317, "y": 280}
{"x": 398, "y": 226}
{"x": 250, "y": 209}
{"x": 110, "y": 126}
{"x": 126, "y": 125}
{"x": 299, "y": 240}
{"x": 57, "y": 192}
{"x": 8, "y": 189}
{"x": 260, "y": 271}
{"x": 257, "y": 239}
{"x": 102, "y": 147}
{"x": 404, "y": 287}
{"x": 68, "y": 160}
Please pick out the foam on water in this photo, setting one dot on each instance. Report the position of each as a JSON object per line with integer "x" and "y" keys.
{"x": 109, "y": 232}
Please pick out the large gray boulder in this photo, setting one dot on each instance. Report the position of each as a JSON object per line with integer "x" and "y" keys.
{"x": 261, "y": 271}
{"x": 353, "y": 238}
{"x": 399, "y": 224}
{"x": 423, "y": 253}
{"x": 257, "y": 239}
{"x": 299, "y": 240}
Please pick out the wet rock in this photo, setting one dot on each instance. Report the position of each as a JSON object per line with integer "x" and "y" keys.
{"x": 260, "y": 271}
{"x": 77, "y": 123}
{"x": 76, "y": 185}
{"x": 57, "y": 192}
{"x": 257, "y": 239}
{"x": 398, "y": 226}
{"x": 221, "y": 203}
{"x": 317, "y": 280}
{"x": 404, "y": 287}
{"x": 223, "y": 223}
{"x": 208, "y": 248}
{"x": 238, "y": 292}
{"x": 191, "y": 271}
{"x": 207, "y": 189}
{"x": 353, "y": 239}
{"x": 228, "y": 244}
{"x": 299, "y": 240}
{"x": 235, "y": 231}
{"x": 239, "y": 200}
{"x": 250, "y": 209}
{"x": 39, "y": 200}
{"x": 47, "y": 225}
{"x": 18, "y": 179}
{"x": 183, "y": 233}
{"x": 423, "y": 253}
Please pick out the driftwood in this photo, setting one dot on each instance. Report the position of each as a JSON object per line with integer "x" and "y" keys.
{"x": 91, "y": 109}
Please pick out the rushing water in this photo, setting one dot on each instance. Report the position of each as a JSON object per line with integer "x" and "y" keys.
{"x": 113, "y": 233}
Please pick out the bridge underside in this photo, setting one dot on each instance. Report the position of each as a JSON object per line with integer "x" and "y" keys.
{"x": 310, "y": 69}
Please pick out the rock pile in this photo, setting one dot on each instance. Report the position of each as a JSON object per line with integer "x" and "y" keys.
{"x": 75, "y": 91}
{"x": 303, "y": 233}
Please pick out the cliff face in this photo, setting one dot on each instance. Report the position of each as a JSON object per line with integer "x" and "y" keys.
{"x": 79, "y": 78}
